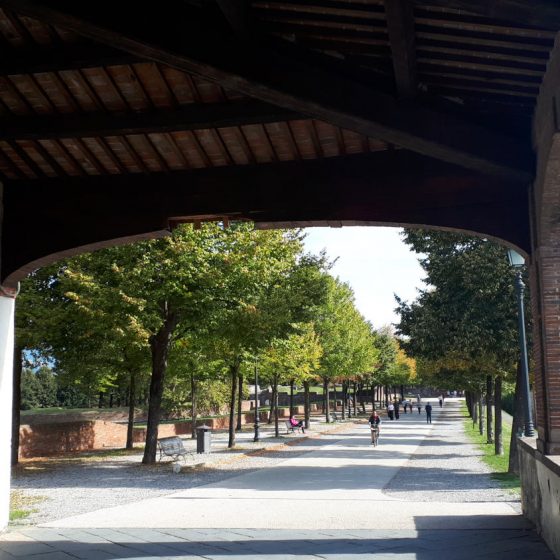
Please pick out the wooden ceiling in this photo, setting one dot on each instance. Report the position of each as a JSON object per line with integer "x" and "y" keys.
{"x": 78, "y": 100}
{"x": 72, "y": 122}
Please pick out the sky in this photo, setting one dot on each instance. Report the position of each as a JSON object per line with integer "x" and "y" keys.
{"x": 375, "y": 262}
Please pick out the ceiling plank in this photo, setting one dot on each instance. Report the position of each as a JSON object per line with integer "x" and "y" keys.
{"x": 286, "y": 77}
{"x": 400, "y": 25}
{"x": 194, "y": 116}
{"x": 544, "y": 14}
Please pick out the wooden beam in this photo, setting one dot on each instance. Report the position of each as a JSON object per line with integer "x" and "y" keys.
{"x": 194, "y": 116}
{"x": 544, "y": 14}
{"x": 400, "y": 25}
{"x": 285, "y": 77}
{"x": 236, "y": 13}
{"x": 391, "y": 188}
{"x": 56, "y": 59}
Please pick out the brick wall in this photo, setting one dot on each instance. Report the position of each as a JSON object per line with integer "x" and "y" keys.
{"x": 545, "y": 259}
{"x": 41, "y": 440}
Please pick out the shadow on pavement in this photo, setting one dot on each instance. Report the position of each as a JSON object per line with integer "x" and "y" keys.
{"x": 491, "y": 544}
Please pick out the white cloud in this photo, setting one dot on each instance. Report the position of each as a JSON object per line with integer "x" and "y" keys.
{"x": 375, "y": 262}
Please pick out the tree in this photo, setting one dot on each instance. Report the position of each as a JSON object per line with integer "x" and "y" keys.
{"x": 466, "y": 314}
{"x": 272, "y": 287}
{"x": 345, "y": 337}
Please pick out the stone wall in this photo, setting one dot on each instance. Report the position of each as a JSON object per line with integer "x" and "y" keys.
{"x": 540, "y": 491}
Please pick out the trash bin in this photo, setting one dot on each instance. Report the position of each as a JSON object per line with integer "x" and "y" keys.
{"x": 203, "y": 439}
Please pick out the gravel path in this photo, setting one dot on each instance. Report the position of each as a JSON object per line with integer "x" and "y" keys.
{"x": 69, "y": 486}
{"x": 446, "y": 467}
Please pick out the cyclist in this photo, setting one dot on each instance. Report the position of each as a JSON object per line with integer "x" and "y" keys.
{"x": 374, "y": 421}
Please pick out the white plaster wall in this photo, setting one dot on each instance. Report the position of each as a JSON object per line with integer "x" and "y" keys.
{"x": 549, "y": 483}
{"x": 7, "y": 306}
{"x": 540, "y": 489}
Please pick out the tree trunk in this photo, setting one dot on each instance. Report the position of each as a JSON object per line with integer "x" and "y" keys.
{"x": 16, "y": 403}
{"x": 326, "y": 392}
{"x": 276, "y": 428}
{"x": 386, "y": 396}
{"x": 402, "y": 393}
{"x": 239, "y": 403}
{"x": 373, "y": 391}
{"x": 355, "y": 399}
{"x": 194, "y": 410}
{"x": 517, "y": 423}
{"x": 101, "y": 399}
{"x": 272, "y": 401}
{"x": 498, "y": 439}
{"x": 130, "y": 425}
{"x": 475, "y": 409}
{"x": 291, "y": 397}
{"x": 489, "y": 410}
{"x": 480, "y": 415}
{"x": 334, "y": 396}
{"x": 159, "y": 346}
{"x": 307, "y": 406}
{"x": 234, "y": 378}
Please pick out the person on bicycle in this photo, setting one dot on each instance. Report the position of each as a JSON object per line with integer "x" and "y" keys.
{"x": 374, "y": 421}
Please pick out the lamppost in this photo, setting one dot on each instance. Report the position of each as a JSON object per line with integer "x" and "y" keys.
{"x": 517, "y": 262}
{"x": 256, "y": 438}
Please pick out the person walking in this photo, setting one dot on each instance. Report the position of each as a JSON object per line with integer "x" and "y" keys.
{"x": 405, "y": 405}
{"x": 397, "y": 411}
{"x": 391, "y": 411}
{"x": 419, "y": 406}
{"x": 440, "y": 401}
{"x": 428, "y": 409}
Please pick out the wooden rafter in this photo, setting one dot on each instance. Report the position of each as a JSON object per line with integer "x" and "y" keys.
{"x": 187, "y": 117}
{"x": 56, "y": 59}
{"x": 400, "y": 25}
{"x": 189, "y": 41}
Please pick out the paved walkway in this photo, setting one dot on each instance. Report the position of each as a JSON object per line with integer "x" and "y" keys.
{"x": 336, "y": 501}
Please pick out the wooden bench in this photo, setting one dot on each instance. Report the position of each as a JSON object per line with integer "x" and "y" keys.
{"x": 290, "y": 428}
{"x": 172, "y": 447}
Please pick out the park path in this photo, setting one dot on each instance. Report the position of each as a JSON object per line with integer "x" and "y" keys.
{"x": 337, "y": 500}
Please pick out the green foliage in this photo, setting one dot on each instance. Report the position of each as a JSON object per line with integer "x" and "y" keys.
{"x": 465, "y": 320}
{"x": 38, "y": 388}
{"x": 345, "y": 336}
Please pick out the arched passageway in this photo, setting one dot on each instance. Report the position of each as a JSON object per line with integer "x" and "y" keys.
{"x": 114, "y": 130}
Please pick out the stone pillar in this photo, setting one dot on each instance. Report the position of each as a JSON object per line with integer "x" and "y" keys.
{"x": 545, "y": 258}
{"x": 7, "y": 306}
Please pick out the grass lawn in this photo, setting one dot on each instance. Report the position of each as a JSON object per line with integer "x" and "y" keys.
{"x": 63, "y": 410}
{"x": 20, "y": 505}
{"x": 498, "y": 463}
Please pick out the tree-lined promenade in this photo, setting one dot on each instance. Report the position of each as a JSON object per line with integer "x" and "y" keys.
{"x": 178, "y": 324}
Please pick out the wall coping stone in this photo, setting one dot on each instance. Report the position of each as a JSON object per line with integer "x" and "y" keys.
{"x": 529, "y": 445}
